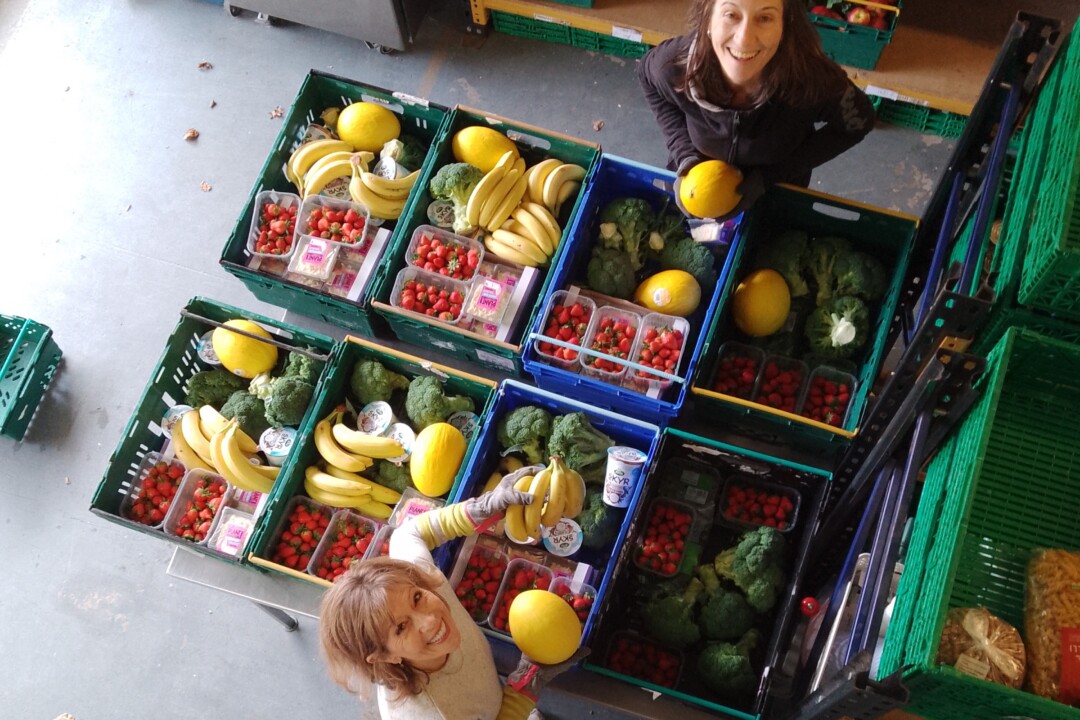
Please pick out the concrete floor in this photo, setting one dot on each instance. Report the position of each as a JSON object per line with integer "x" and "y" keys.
{"x": 97, "y": 98}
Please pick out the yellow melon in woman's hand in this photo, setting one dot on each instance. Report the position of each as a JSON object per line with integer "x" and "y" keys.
{"x": 367, "y": 126}
{"x": 761, "y": 303}
{"x": 709, "y": 189}
{"x": 544, "y": 627}
{"x": 481, "y": 146}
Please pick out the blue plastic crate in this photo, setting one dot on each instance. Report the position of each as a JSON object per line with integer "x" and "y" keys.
{"x": 613, "y": 178}
{"x": 623, "y": 430}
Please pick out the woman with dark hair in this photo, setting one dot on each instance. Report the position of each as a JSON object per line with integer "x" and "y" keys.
{"x": 750, "y": 85}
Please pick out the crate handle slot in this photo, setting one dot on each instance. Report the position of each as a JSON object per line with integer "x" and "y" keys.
{"x": 434, "y": 370}
{"x": 411, "y": 99}
{"x": 277, "y": 343}
{"x": 396, "y": 108}
{"x": 836, "y": 212}
{"x": 530, "y": 140}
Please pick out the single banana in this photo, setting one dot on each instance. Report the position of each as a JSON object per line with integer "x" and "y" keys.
{"x": 362, "y": 504}
{"x": 559, "y": 177}
{"x": 332, "y": 452}
{"x": 380, "y": 493}
{"x": 556, "y": 500}
{"x": 510, "y": 463}
{"x": 267, "y": 471}
{"x": 534, "y": 510}
{"x": 535, "y": 230}
{"x": 508, "y": 204}
{"x": 565, "y": 193}
{"x": 314, "y": 183}
{"x": 372, "y": 446}
{"x": 519, "y": 165}
{"x": 540, "y": 172}
{"x": 214, "y": 422}
{"x": 498, "y": 195}
{"x": 308, "y": 154}
{"x": 487, "y": 184}
{"x": 508, "y": 253}
{"x": 522, "y": 244}
{"x": 326, "y": 160}
{"x": 186, "y": 454}
{"x": 515, "y": 227}
{"x": 390, "y": 189}
{"x": 377, "y": 205}
{"x": 492, "y": 482}
{"x": 514, "y": 520}
{"x": 193, "y": 435}
{"x": 236, "y": 468}
{"x": 329, "y": 483}
{"x": 546, "y": 219}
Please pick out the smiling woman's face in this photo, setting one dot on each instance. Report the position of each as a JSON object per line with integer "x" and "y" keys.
{"x": 423, "y": 633}
{"x": 745, "y": 36}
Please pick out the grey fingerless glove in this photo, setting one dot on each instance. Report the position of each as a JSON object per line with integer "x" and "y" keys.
{"x": 503, "y": 496}
{"x": 529, "y": 678}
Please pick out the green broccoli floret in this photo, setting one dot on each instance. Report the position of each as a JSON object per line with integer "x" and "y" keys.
{"x": 633, "y": 219}
{"x": 670, "y": 226}
{"x": 212, "y": 387}
{"x": 860, "y": 274}
{"x": 687, "y": 254}
{"x": 260, "y": 386}
{"x": 455, "y": 182}
{"x": 395, "y": 477}
{"x": 756, "y": 566}
{"x": 427, "y": 404}
{"x": 820, "y": 258}
{"x": 290, "y": 396}
{"x": 610, "y": 272}
{"x": 725, "y": 615}
{"x": 726, "y": 668}
{"x": 670, "y": 618}
{"x": 581, "y": 446}
{"x": 371, "y": 381}
{"x": 248, "y": 410}
{"x": 838, "y": 328}
{"x": 786, "y": 253}
{"x": 306, "y": 368}
{"x": 527, "y": 428}
{"x": 412, "y": 153}
{"x": 599, "y": 522}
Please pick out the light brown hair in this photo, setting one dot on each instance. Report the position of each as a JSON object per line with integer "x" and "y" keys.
{"x": 799, "y": 75}
{"x": 355, "y": 622}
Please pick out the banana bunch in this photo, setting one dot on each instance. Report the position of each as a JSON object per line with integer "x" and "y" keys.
{"x": 552, "y": 182}
{"x": 332, "y": 452}
{"x": 382, "y": 197}
{"x": 317, "y": 163}
{"x": 205, "y": 440}
{"x": 360, "y": 443}
{"x": 497, "y": 193}
{"x": 339, "y": 488}
{"x": 558, "y": 492}
{"x": 529, "y": 237}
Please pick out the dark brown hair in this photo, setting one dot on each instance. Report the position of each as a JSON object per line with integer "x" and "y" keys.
{"x": 355, "y": 621}
{"x": 799, "y": 74}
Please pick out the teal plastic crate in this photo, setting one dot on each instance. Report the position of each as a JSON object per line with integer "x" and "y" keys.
{"x": 609, "y": 44}
{"x": 29, "y": 357}
{"x": 535, "y": 144}
{"x": 548, "y": 31}
{"x": 927, "y": 120}
{"x": 418, "y": 117}
{"x": 166, "y": 389}
{"x": 1004, "y": 485}
{"x": 858, "y": 46}
{"x": 332, "y": 392}
{"x": 886, "y": 234}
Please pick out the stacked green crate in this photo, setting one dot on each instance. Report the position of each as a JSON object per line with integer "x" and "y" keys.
{"x": 28, "y": 360}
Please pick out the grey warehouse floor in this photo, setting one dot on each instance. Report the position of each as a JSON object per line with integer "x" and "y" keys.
{"x": 97, "y": 97}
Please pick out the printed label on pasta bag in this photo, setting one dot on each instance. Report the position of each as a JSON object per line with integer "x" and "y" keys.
{"x": 973, "y": 667}
{"x": 1069, "y": 691}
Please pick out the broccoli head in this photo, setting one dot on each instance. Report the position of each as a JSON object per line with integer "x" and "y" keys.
{"x": 306, "y": 368}
{"x": 610, "y": 272}
{"x": 670, "y": 617}
{"x": 756, "y": 566}
{"x": 725, "y": 615}
{"x": 212, "y": 387}
{"x": 290, "y": 396}
{"x": 427, "y": 404}
{"x": 786, "y": 253}
{"x": 581, "y": 446}
{"x": 527, "y": 428}
{"x": 371, "y": 381}
{"x": 838, "y": 328}
{"x": 670, "y": 226}
{"x": 820, "y": 258}
{"x": 633, "y": 219}
{"x": 726, "y": 668}
{"x": 395, "y": 477}
{"x": 599, "y": 522}
{"x": 687, "y": 254}
{"x": 248, "y": 410}
{"x": 455, "y": 182}
{"x": 860, "y": 274}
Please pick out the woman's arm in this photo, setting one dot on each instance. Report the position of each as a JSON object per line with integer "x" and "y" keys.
{"x": 655, "y": 74}
{"x": 847, "y": 120}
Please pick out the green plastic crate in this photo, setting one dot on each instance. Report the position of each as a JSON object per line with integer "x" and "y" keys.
{"x": 178, "y": 362}
{"x": 28, "y": 360}
{"x": 929, "y": 121}
{"x": 1051, "y": 275}
{"x": 547, "y": 31}
{"x": 319, "y": 91}
{"x": 889, "y": 235}
{"x": 331, "y": 393}
{"x": 599, "y": 42}
{"x": 1003, "y": 486}
{"x": 535, "y": 144}
{"x": 858, "y": 46}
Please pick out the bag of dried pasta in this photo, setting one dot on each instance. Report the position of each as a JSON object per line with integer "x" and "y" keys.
{"x": 983, "y": 645}
{"x": 1052, "y": 625}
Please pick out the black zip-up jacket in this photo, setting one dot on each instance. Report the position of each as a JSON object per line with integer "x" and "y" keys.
{"x": 784, "y": 143}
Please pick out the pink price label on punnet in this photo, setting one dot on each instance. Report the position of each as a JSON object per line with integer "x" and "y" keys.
{"x": 315, "y": 252}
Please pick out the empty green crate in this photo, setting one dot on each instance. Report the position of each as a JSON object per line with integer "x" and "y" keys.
{"x": 529, "y": 28}
{"x": 919, "y": 117}
{"x": 1004, "y": 485}
{"x": 28, "y": 360}
{"x": 607, "y": 43}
